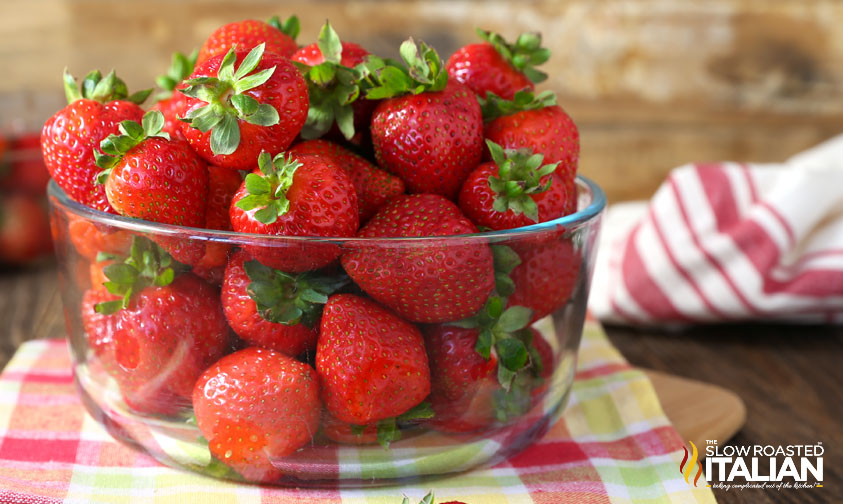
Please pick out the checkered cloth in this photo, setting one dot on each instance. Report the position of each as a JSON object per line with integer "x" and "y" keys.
{"x": 612, "y": 445}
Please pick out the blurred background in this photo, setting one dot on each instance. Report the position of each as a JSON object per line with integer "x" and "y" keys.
{"x": 652, "y": 84}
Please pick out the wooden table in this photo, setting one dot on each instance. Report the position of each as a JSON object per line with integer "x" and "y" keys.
{"x": 791, "y": 377}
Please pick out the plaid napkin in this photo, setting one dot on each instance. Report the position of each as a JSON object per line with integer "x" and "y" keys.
{"x": 726, "y": 242}
{"x": 612, "y": 445}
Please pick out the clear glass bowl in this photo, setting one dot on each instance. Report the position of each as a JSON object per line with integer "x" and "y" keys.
{"x": 552, "y": 278}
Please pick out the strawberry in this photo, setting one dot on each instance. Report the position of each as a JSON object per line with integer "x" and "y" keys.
{"x": 149, "y": 176}
{"x": 222, "y": 185}
{"x": 546, "y": 276}
{"x": 421, "y": 281}
{"x": 374, "y": 187}
{"x": 72, "y": 135}
{"x": 512, "y": 191}
{"x": 89, "y": 240}
{"x": 431, "y": 138}
{"x": 255, "y": 406}
{"x": 334, "y": 86}
{"x": 346, "y": 433}
{"x": 273, "y": 309}
{"x": 239, "y": 105}
{"x": 168, "y": 101}
{"x": 22, "y": 165}
{"x": 24, "y": 229}
{"x": 371, "y": 363}
{"x": 170, "y": 328}
{"x": 99, "y": 327}
{"x": 497, "y": 66}
{"x": 474, "y": 364}
{"x": 295, "y": 196}
{"x": 536, "y": 123}
{"x": 383, "y": 432}
{"x": 279, "y": 37}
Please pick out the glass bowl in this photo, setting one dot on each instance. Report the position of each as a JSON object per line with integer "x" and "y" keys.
{"x": 141, "y": 370}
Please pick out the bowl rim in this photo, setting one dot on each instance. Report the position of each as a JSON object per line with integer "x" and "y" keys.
{"x": 568, "y": 223}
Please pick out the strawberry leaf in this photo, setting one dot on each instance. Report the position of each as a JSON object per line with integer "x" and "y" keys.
{"x": 493, "y": 106}
{"x": 114, "y": 147}
{"x": 102, "y": 89}
{"x": 520, "y": 174}
{"x": 180, "y": 68}
{"x": 226, "y": 102}
{"x": 514, "y": 319}
{"x": 524, "y": 55}
{"x": 289, "y": 299}
{"x": 289, "y": 26}
{"x": 421, "y": 71}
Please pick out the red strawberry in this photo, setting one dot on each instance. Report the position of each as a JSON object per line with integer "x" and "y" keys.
{"x": 239, "y": 105}
{"x": 421, "y": 281}
{"x": 255, "y": 406}
{"x": 474, "y": 368}
{"x": 90, "y": 241}
{"x": 170, "y": 328}
{"x": 371, "y": 363}
{"x": 374, "y": 187}
{"x": 22, "y": 165}
{"x": 432, "y": 139}
{"x": 512, "y": 191}
{"x": 148, "y": 176}
{"x": 170, "y": 103}
{"x": 346, "y": 433}
{"x": 222, "y": 185}
{"x": 546, "y": 276}
{"x": 99, "y": 327}
{"x": 334, "y": 87}
{"x": 497, "y": 66}
{"x": 279, "y": 37}
{"x": 297, "y": 196}
{"x": 273, "y": 309}
{"x": 540, "y": 125}
{"x": 72, "y": 136}
{"x": 24, "y": 229}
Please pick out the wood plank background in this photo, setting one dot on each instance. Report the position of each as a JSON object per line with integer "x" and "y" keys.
{"x": 651, "y": 83}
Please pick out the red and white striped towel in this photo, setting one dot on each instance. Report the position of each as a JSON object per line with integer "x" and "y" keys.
{"x": 729, "y": 242}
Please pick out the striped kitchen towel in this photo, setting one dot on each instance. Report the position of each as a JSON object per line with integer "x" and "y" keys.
{"x": 729, "y": 242}
{"x": 613, "y": 445}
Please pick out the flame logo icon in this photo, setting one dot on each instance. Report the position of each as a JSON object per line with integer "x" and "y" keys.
{"x": 693, "y": 462}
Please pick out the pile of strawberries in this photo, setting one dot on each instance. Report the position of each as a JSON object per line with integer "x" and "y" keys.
{"x": 351, "y": 342}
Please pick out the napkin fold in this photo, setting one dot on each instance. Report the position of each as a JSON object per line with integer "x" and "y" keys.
{"x": 722, "y": 242}
{"x": 612, "y": 445}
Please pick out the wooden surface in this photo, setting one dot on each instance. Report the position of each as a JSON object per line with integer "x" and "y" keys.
{"x": 652, "y": 84}
{"x": 699, "y": 411}
{"x": 789, "y": 376}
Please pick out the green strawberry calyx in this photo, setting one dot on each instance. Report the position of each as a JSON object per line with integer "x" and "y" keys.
{"x": 227, "y": 101}
{"x": 520, "y": 175}
{"x": 290, "y": 299}
{"x": 493, "y": 106}
{"x": 102, "y": 89}
{"x": 496, "y": 327}
{"x": 422, "y": 71}
{"x": 132, "y": 134}
{"x": 389, "y": 429}
{"x": 180, "y": 68}
{"x": 505, "y": 260}
{"x": 427, "y": 499}
{"x": 523, "y": 55}
{"x": 512, "y": 403}
{"x": 332, "y": 88}
{"x": 290, "y": 26}
{"x": 268, "y": 192}
{"x": 147, "y": 265}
